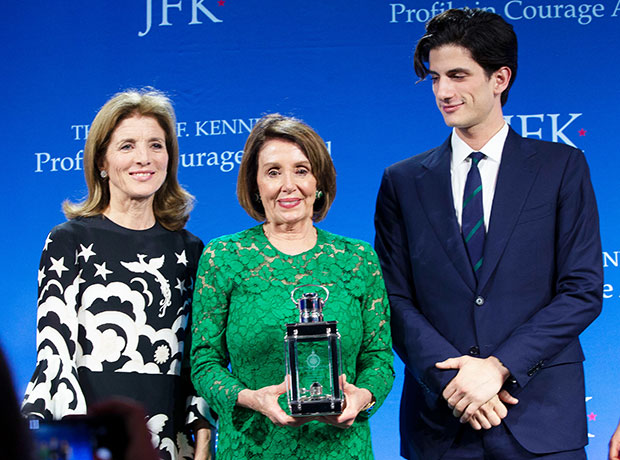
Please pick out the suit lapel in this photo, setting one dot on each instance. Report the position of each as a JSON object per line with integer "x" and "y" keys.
{"x": 434, "y": 187}
{"x": 516, "y": 175}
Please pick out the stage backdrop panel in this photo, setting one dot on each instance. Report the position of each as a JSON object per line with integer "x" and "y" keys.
{"x": 344, "y": 67}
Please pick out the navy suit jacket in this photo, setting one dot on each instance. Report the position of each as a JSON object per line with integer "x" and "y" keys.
{"x": 539, "y": 287}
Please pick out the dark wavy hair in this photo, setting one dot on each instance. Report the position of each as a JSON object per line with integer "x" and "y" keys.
{"x": 491, "y": 41}
{"x": 276, "y": 126}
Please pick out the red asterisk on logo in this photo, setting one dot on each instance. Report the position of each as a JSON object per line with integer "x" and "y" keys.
{"x": 582, "y": 132}
{"x": 592, "y": 417}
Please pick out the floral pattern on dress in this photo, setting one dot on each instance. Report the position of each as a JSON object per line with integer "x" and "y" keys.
{"x": 240, "y": 309}
{"x": 110, "y": 322}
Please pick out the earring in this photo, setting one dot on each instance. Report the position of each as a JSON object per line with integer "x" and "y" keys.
{"x": 103, "y": 173}
{"x": 318, "y": 194}
{"x": 257, "y": 197}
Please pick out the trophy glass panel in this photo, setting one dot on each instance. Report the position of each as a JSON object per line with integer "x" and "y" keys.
{"x": 314, "y": 370}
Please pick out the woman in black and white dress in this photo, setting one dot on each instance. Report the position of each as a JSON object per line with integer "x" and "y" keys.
{"x": 116, "y": 281}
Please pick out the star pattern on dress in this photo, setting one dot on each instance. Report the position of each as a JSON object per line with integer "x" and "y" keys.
{"x": 124, "y": 337}
{"x": 41, "y": 275}
{"x": 58, "y": 265}
{"x": 181, "y": 286}
{"x": 181, "y": 258}
{"x": 86, "y": 252}
{"x": 78, "y": 279}
{"x": 102, "y": 271}
{"x": 48, "y": 240}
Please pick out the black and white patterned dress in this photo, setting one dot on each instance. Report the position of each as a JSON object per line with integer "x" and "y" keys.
{"x": 113, "y": 312}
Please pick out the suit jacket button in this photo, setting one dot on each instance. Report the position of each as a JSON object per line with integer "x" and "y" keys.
{"x": 479, "y": 301}
{"x": 474, "y": 351}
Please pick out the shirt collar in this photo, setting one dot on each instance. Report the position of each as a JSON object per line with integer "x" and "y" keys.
{"x": 492, "y": 149}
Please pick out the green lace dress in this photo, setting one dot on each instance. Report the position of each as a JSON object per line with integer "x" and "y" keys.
{"x": 241, "y": 305}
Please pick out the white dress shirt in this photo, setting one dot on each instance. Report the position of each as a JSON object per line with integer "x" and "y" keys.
{"x": 488, "y": 167}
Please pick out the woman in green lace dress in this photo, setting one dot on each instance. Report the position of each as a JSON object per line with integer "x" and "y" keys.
{"x": 242, "y": 303}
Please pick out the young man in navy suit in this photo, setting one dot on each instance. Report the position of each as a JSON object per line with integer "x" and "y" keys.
{"x": 491, "y": 254}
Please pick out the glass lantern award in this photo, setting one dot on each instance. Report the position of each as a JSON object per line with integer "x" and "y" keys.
{"x": 312, "y": 349}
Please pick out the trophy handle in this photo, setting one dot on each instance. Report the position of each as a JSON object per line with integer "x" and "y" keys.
{"x": 309, "y": 285}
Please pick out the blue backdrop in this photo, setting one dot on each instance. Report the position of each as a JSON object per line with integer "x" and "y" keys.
{"x": 344, "y": 67}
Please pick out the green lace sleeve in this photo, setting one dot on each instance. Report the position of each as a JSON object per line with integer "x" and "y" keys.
{"x": 376, "y": 359}
{"x": 209, "y": 355}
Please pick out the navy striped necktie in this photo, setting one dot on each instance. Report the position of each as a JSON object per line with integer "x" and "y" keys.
{"x": 472, "y": 226}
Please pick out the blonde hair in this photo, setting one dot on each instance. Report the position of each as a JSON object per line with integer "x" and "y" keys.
{"x": 172, "y": 204}
{"x": 276, "y": 126}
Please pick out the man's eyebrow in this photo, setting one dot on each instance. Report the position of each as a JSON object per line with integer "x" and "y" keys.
{"x": 459, "y": 70}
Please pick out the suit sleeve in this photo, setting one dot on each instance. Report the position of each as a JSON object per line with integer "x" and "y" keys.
{"x": 579, "y": 281}
{"x": 416, "y": 340}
